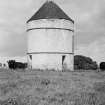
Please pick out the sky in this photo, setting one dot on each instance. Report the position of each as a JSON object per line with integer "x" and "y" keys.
{"x": 89, "y": 17}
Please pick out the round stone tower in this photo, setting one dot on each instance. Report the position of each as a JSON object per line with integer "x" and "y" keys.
{"x": 50, "y": 39}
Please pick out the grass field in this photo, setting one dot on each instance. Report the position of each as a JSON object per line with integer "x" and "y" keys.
{"x": 52, "y": 88}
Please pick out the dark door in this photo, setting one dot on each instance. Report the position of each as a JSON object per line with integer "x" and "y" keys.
{"x": 30, "y": 61}
{"x": 63, "y": 59}
{"x": 30, "y": 57}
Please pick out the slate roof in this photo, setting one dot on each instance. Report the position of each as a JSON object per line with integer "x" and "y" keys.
{"x": 50, "y": 10}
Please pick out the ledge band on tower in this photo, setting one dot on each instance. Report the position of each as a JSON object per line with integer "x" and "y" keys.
{"x": 50, "y": 28}
{"x": 49, "y": 53}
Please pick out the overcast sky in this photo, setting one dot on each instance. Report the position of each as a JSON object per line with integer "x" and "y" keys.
{"x": 89, "y": 17}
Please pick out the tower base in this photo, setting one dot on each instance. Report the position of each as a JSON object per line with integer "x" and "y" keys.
{"x": 56, "y": 62}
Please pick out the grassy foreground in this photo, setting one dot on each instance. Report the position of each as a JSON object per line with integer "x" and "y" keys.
{"x": 52, "y": 88}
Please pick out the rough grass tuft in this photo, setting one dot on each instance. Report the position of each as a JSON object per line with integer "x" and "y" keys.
{"x": 99, "y": 87}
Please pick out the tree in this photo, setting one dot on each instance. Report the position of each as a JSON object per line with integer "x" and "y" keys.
{"x": 11, "y": 64}
{"x": 83, "y": 62}
{"x": 102, "y": 66}
{"x": 16, "y": 65}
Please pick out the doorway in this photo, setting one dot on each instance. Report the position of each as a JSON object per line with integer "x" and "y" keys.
{"x": 30, "y": 56}
{"x": 30, "y": 61}
{"x": 63, "y": 62}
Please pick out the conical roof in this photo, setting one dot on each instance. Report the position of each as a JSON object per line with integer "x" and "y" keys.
{"x": 50, "y": 10}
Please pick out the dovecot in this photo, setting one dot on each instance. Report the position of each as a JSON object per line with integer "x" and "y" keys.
{"x": 50, "y": 39}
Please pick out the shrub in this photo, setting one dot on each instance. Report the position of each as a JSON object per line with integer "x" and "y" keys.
{"x": 12, "y": 64}
{"x": 82, "y": 62}
{"x": 102, "y": 66}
